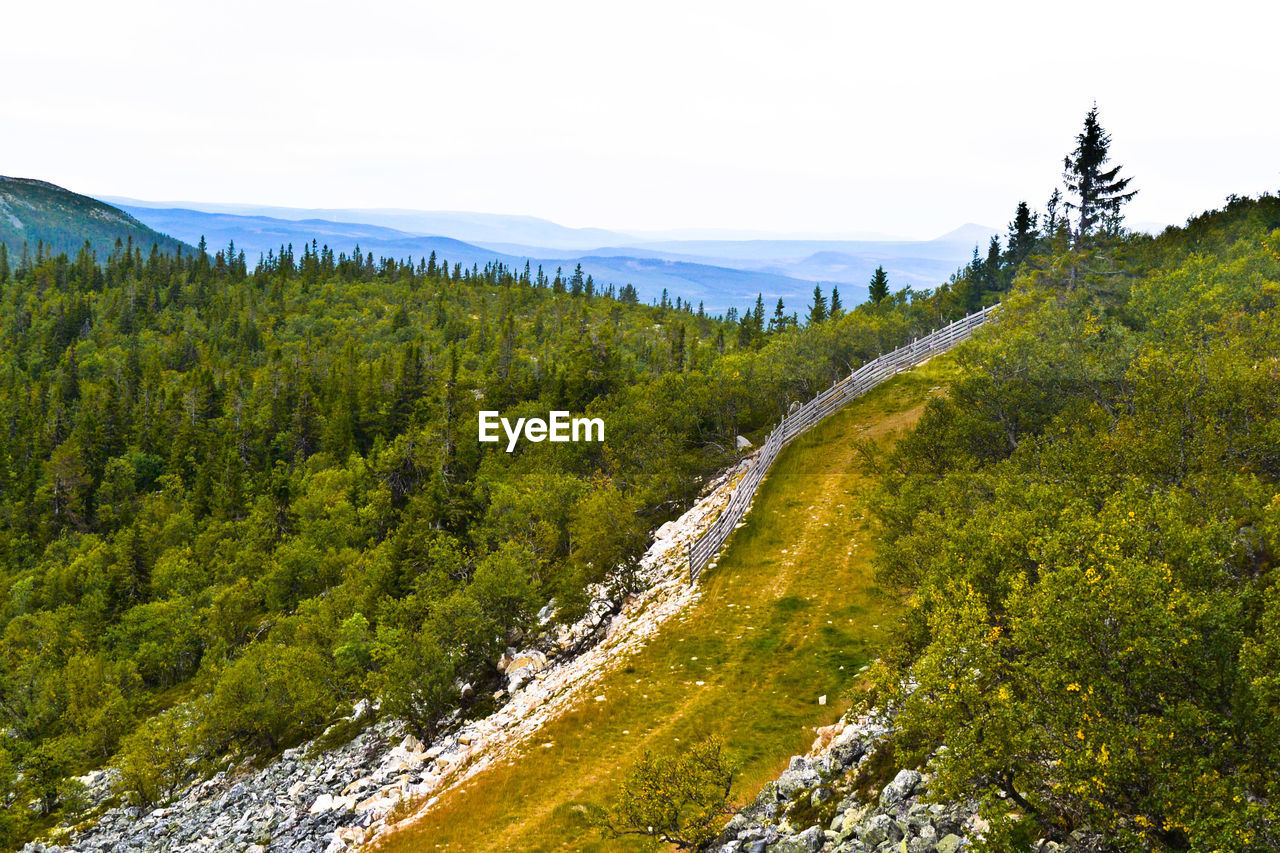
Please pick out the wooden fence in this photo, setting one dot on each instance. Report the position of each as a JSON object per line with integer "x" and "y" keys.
{"x": 704, "y": 549}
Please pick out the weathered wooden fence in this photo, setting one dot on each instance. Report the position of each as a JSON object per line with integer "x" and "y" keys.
{"x": 871, "y": 374}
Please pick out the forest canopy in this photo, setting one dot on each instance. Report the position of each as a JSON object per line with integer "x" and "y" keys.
{"x": 1086, "y": 532}
{"x": 236, "y": 501}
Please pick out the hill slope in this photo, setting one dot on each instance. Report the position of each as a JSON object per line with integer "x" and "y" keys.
{"x": 787, "y": 617}
{"x": 32, "y": 211}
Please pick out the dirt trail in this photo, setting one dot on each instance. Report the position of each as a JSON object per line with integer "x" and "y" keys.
{"x": 788, "y": 616}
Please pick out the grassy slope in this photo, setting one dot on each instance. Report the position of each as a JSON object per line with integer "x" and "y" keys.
{"x": 789, "y": 614}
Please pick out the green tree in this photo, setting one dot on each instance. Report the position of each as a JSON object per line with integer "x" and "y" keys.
{"x": 680, "y": 798}
{"x": 818, "y": 309}
{"x": 1096, "y": 192}
{"x": 270, "y": 697}
{"x": 778, "y": 323}
{"x": 416, "y": 680}
{"x": 1022, "y": 236}
{"x": 878, "y": 289}
{"x": 156, "y": 759}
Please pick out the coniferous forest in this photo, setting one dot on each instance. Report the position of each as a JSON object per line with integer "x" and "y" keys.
{"x": 236, "y": 501}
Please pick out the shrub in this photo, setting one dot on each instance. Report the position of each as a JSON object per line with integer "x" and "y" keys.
{"x": 680, "y": 798}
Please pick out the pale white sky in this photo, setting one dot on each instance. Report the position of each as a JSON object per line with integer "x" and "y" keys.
{"x": 907, "y": 118}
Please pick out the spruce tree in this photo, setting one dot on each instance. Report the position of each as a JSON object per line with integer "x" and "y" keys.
{"x": 837, "y": 308}
{"x": 1022, "y": 236}
{"x": 1095, "y": 193}
{"x": 879, "y": 287}
{"x": 991, "y": 271}
{"x": 779, "y": 321}
{"x": 4, "y": 263}
{"x": 818, "y": 310}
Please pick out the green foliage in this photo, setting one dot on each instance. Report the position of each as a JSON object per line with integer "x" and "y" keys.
{"x": 252, "y": 496}
{"x": 268, "y": 698}
{"x": 679, "y": 798}
{"x": 416, "y": 679}
{"x": 156, "y": 758}
{"x": 1087, "y": 529}
{"x": 878, "y": 289}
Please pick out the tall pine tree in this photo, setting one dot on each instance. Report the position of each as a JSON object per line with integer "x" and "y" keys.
{"x": 1094, "y": 192}
{"x": 1022, "y": 236}
{"x": 818, "y": 310}
{"x": 879, "y": 287}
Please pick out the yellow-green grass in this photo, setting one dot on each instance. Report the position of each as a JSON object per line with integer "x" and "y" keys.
{"x": 789, "y": 614}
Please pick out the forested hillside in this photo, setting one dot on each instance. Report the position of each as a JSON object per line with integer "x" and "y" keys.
{"x": 237, "y": 501}
{"x": 1087, "y": 529}
{"x": 39, "y": 219}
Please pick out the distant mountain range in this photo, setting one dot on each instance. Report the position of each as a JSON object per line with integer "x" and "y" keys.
{"x": 34, "y": 212}
{"x": 698, "y": 266}
{"x": 718, "y": 272}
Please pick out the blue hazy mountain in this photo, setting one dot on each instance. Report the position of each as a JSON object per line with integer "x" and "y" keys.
{"x": 718, "y": 287}
{"x": 460, "y": 225}
{"x": 719, "y": 272}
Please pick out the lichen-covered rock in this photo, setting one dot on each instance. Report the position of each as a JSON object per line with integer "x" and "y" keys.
{"x": 879, "y": 829}
{"x": 949, "y": 844}
{"x": 893, "y": 820}
{"x": 900, "y": 788}
{"x": 809, "y": 841}
{"x": 792, "y": 782}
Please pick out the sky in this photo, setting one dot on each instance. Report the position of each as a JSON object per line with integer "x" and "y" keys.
{"x": 806, "y": 118}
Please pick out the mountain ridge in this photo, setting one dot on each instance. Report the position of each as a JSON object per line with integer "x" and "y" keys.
{"x": 35, "y": 212}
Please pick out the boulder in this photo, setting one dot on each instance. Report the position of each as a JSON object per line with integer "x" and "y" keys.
{"x": 880, "y": 829}
{"x": 323, "y": 803}
{"x": 792, "y": 782}
{"x": 743, "y": 443}
{"x": 846, "y": 754}
{"x": 809, "y": 841}
{"x": 545, "y": 614}
{"x": 949, "y": 844}
{"x": 900, "y": 788}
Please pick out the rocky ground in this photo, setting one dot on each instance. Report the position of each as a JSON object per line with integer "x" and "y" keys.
{"x": 816, "y": 804}
{"x": 314, "y": 800}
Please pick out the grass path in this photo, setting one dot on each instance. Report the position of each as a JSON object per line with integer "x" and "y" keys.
{"x": 789, "y": 615}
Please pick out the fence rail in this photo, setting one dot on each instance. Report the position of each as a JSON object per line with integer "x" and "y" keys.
{"x": 704, "y": 549}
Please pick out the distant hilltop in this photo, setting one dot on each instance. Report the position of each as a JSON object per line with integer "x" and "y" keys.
{"x": 34, "y": 212}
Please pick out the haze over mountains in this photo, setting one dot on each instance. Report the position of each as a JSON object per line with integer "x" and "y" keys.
{"x": 717, "y": 268}
{"x": 700, "y": 265}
